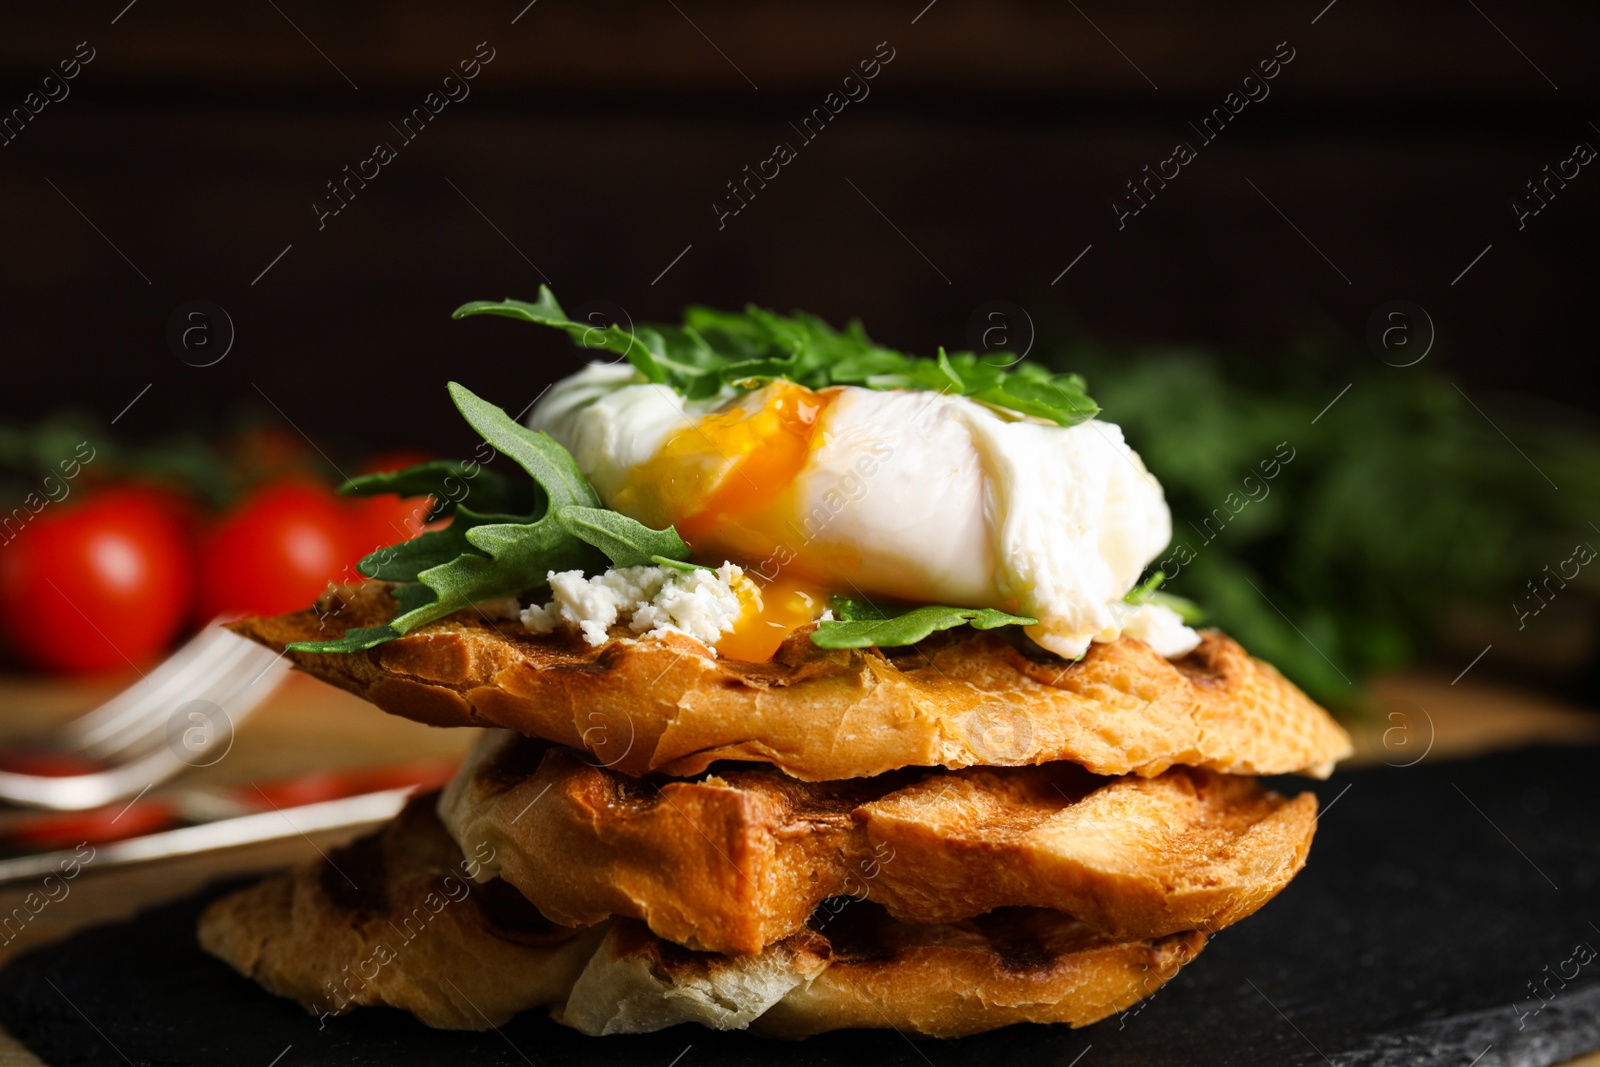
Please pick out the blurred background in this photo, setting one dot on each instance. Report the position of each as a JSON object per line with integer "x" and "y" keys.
{"x": 1349, "y": 241}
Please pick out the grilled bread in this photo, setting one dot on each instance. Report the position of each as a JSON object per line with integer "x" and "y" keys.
{"x": 396, "y": 919}
{"x": 386, "y": 921}
{"x": 864, "y": 971}
{"x": 737, "y": 860}
{"x": 959, "y": 699}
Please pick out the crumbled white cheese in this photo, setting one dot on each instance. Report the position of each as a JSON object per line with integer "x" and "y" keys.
{"x": 654, "y": 601}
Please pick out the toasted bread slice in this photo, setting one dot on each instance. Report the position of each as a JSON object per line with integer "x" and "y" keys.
{"x": 396, "y": 918}
{"x": 735, "y": 861}
{"x": 863, "y": 970}
{"x": 409, "y": 937}
{"x": 959, "y": 699}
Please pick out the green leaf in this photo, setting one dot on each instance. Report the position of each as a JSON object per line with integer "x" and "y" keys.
{"x": 1142, "y": 592}
{"x": 870, "y": 625}
{"x": 717, "y": 351}
{"x": 409, "y": 598}
{"x": 1191, "y": 613}
{"x": 356, "y": 640}
{"x": 1147, "y": 592}
{"x": 847, "y": 609}
{"x": 681, "y": 565}
{"x": 626, "y": 542}
{"x": 1061, "y": 400}
{"x": 449, "y": 482}
{"x": 501, "y": 555}
{"x": 405, "y": 562}
{"x": 981, "y": 373}
{"x": 551, "y": 466}
{"x": 646, "y": 349}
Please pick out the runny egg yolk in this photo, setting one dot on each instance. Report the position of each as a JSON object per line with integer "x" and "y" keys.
{"x": 727, "y": 484}
{"x": 770, "y": 613}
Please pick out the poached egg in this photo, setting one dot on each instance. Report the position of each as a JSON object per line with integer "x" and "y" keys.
{"x": 897, "y": 494}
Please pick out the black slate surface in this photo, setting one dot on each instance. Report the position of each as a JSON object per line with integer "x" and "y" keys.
{"x": 1437, "y": 899}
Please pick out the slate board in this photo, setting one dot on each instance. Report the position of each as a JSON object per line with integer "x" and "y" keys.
{"x": 1434, "y": 897}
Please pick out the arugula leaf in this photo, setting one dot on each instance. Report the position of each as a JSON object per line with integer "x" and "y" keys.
{"x": 627, "y": 542}
{"x": 500, "y": 498}
{"x": 862, "y": 624}
{"x": 1148, "y": 592}
{"x": 715, "y": 351}
{"x": 681, "y": 564}
{"x": 1061, "y": 399}
{"x": 1191, "y": 613}
{"x": 849, "y": 609}
{"x": 1141, "y": 593}
{"x": 447, "y": 481}
{"x": 502, "y": 554}
{"x": 405, "y": 561}
{"x": 409, "y": 597}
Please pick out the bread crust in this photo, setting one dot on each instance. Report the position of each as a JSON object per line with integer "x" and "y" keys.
{"x": 383, "y": 921}
{"x": 480, "y": 960}
{"x": 961, "y": 698}
{"x": 737, "y": 860}
{"x": 864, "y": 971}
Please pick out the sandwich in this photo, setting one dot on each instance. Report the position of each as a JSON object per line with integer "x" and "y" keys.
{"x": 820, "y": 686}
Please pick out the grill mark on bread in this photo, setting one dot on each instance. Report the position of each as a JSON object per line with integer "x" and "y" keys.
{"x": 738, "y": 857}
{"x": 359, "y": 881}
{"x": 823, "y": 714}
{"x": 486, "y": 957}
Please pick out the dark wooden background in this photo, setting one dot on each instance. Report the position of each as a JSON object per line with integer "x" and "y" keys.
{"x": 596, "y": 140}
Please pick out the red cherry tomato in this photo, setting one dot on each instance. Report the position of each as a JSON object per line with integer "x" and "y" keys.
{"x": 275, "y": 552}
{"x": 96, "y": 586}
{"x": 379, "y": 521}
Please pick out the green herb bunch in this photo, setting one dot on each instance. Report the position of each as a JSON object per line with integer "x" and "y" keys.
{"x": 716, "y": 351}
{"x": 1406, "y": 520}
{"x": 506, "y": 544}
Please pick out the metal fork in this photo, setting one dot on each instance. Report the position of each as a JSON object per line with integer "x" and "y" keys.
{"x": 182, "y": 714}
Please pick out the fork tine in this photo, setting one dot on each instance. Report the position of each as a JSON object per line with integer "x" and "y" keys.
{"x": 207, "y": 678}
{"x": 234, "y": 694}
{"x": 133, "y": 701}
{"x": 151, "y": 694}
{"x": 223, "y": 686}
{"x": 238, "y": 691}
